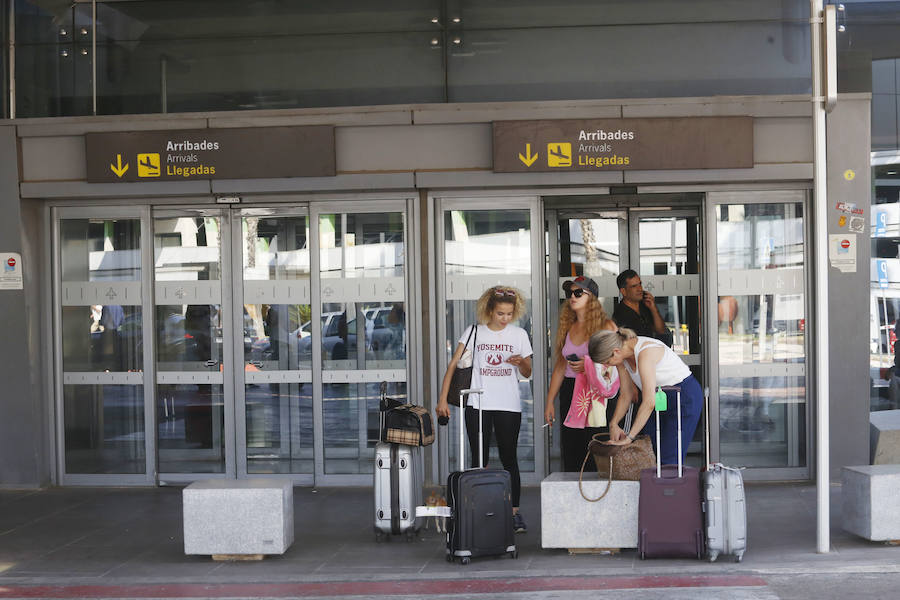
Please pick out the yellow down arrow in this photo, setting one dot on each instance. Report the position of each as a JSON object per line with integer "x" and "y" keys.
{"x": 117, "y": 168}
{"x": 529, "y": 158}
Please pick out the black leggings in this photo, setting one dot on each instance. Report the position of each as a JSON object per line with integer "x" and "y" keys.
{"x": 505, "y": 425}
{"x": 574, "y": 442}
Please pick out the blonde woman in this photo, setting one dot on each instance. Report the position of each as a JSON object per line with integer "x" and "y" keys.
{"x": 581, "y": 316}
{"x": 650, "y": 363}
{"x": 500, "y": 349}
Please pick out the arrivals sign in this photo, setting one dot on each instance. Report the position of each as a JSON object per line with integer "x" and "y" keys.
{"x": 243, "y": 153}
{"x": 623, "y": 144}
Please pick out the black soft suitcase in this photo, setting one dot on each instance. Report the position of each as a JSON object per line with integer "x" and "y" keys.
{"x": 481, "y": 522}
{"x": 670, "y": 517}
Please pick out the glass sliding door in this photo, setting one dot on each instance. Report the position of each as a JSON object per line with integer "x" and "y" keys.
{"x": 358, "y": 335}
{"x": 478, "y": 248}
{"x": 760, "y": 298}
{"x": 194, "y": 402}
{"x": 276, "y": 430}
{"x": 101, "y": 349}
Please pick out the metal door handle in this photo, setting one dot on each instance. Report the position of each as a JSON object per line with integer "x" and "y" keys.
{"x": 211, "y": 363}
{"x": 256, "y": 363}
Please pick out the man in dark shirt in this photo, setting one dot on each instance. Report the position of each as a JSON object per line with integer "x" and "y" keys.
{"x": 637, "y": 309}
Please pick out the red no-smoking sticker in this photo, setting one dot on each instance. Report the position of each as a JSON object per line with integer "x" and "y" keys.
{"x": 845, "y": 244}
{"x": 11, "y": 262}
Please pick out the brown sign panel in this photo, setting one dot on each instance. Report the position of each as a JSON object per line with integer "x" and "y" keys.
{"x": 186, "y": 154}
{"x": 622, "y": 144}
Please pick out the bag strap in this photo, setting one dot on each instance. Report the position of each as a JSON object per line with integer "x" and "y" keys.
{"x": 474, "y": 330}
{"x": 608, "y": 481}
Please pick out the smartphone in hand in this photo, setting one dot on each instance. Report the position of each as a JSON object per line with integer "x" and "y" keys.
{"x": 572, "y": 357}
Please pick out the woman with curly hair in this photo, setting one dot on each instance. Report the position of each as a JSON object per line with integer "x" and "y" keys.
{"x": 499, "y": 350}
{"x": 581, "y": 316}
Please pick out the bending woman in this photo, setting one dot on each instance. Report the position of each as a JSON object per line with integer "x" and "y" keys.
{"x": 500, "y": 350}
{"x": 650, "y": 363}
{"x": 580, "y": 316}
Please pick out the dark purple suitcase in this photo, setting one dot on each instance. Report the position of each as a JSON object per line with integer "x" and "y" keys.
{"x": 670, "y": 515}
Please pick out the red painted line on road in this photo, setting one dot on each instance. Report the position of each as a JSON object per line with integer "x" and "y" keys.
{"x": 379, "y": 588}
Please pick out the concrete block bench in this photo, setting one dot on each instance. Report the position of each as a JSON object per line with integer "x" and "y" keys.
{"x": 884, "y": 438}
{"x": 570, "y": 521}
{"x": 238, "y": 517}
{"x": 869, "y": 501}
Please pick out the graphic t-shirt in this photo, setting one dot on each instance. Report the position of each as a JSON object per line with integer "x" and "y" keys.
{"x": 491, "y": 372}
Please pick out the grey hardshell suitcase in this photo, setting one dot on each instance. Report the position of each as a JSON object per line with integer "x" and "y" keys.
{"x": 399, "y": 479}
{"x": 398, "y": 489}
{"x": 724, "y": 506}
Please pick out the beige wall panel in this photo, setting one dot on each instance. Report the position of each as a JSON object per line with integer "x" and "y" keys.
{"x": 413, "y": 147}
{"x": 485, "y": 113}
{"x": 782, "y": 141}
{"x": 53, "y": 158}
{"x": 720, "y": 107}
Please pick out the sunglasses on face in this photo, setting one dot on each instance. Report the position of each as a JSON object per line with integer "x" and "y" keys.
{"x": 577, "y": 292}
{"x": 504, "y": 293}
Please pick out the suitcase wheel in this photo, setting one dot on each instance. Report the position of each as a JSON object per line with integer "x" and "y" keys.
{"x": 465, "y": 560}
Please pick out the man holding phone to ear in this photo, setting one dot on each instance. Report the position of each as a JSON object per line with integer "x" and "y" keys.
{"x": 637, "y": 310}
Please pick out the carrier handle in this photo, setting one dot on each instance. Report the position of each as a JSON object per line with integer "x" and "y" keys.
{"x": 706, "y": 423}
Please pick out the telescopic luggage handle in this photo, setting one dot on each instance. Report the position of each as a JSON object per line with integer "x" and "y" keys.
{"x": 677, "y": 390}
{"x": 463, "y": 398}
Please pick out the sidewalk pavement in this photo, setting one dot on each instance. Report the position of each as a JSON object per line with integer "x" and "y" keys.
{"x": 129, "y": 536}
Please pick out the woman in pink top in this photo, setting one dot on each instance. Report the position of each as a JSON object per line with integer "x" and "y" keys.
{"x": 580, "y": 316}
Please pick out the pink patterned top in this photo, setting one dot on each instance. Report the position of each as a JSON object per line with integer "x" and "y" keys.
{"x": 570, "y": 348}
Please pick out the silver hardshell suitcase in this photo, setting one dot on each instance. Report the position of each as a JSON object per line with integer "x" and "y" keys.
{"x": 399, "y": 479}
{"x": 398, "y": 489}
{"x": 724, "y": 506}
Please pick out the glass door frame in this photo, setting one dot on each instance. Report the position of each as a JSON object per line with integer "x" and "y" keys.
{"x": 238, "y": 212}
{"x": 226, "y": 304}
{"x": 407, "y": 205}
{"x": 148, "y": 376}
{"x": 710, "y": 306}
{"x": 438, "y": 204}
{"x": 628, "y": 210}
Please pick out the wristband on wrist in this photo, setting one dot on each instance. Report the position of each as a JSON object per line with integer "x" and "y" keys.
{"x": 628, "y": 435}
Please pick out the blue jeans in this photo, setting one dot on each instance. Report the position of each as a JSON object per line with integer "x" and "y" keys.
{"x": 691, "y": 409}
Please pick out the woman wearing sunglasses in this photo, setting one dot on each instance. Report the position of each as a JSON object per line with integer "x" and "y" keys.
{"x": 500, "y": 350}
{"x": 581, "y": 316}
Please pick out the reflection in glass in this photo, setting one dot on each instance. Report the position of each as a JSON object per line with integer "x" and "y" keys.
{"x": 187, "y": 249}
{"x": 104, "y": 428}
{"x": 191, "y": 426}
{"x": 100, "y": 250}
{"x": 188, "y": 337}
{"x": 351, "y": 423}
{"x": 495, "y": 243}
{"x": 102, "y": 338}
{"x": 762, "y": 412}
{"x": 279, "y": 428}
{"x": 671, "y": 246}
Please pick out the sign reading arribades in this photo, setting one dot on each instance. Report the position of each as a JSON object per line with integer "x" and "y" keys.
{"x": 244, "y": 153}
{"x": 622, "y": 144}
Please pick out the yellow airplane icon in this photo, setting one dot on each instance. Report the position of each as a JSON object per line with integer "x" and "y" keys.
{"x": 559, "y": 154}
{"x": 148, "y": 165}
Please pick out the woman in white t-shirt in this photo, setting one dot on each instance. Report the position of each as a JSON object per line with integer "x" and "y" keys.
{"x": 649, "y": 363}
{"x": 502, "y": 352}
